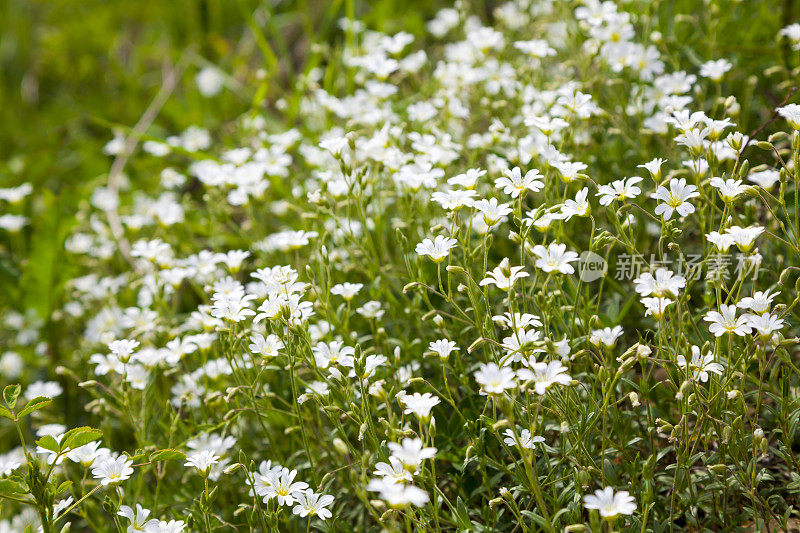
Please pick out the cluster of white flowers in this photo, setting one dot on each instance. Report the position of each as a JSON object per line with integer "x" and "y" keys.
{"x": 392, "y": 296}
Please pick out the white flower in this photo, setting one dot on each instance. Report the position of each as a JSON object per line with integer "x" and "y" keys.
{"x": 398, "y": 494}
{"x": 492, "y": 211}
{"x": 577, "y": 207}
{"x": 675, "y": 199}
{"x": 232, "y": 306}
{"x": 544, "y": 375}
{"x": 454, "y": 200}
{"x": 443, "y": 347}
{"x": 504, "y": 276}
{"x": 438, "y": 249}
{"x": 209, "y": 81}
{"x": 10, "y": 462}
{"x": 792, "y": 32}
{"x": 514, "y": 183}
{"x": 138, "y": 519}
{"x": 619, "y": 190}
{"x": 266, "y": 347}
{"x": 546, "y": 125}
{"x": 765, "y": 324}
{"x": 729, "y": 189}
{"x": 606, "y": 337}
{"x": 393, "y": 471}
{"x": 411, "y": 453}
{"x": 48, "y": 389}
{"x": 517, "y": 320}
{"x": 759, "y": 303}
{"x": 744, "y": 237}
{"x": 280, "y": 484}
{"x": 15, "y": 195}
{"x": 371, "y": 309}
{"x": 202, "y": 461}
{"x": 518, "y": 342}
{"x": 542, "y": 221}
{"x": 137, "y": 376}
{"x": 347, "y": 291}
{"x": 86, "y": 454}
{"x": 569, "y": 170}
{"x": 12, "y": 223}
{"x": 419, "y": 404}
{"x": 468, "y": 180}
{"x": 654, "y": 167}
{"x": 766, "y": 179}
{"x": 525, "y": 439}
{"x": 701, "y": 365}
{"x": 555, "y": 258}
{"x": 714, "y": 70}
{"x": 695, "y": 140}
{"x": 664, "y": 283}
{"x": 495, "y": 380}
{"x": 310, "y": 503}
{"x": 172, "y": 526}
{"x": 111, "y": 471}
{"x": 726, "y": 322}
{"x": 123, "y": 349}
{"x": 535, "y": 47}
{"x": 655, "y": 306}
{"x": 721, "y": 241}
{"x": 609, "y": 503}
{"x": 791, "y": 113}
{"x": 334, "y": 145}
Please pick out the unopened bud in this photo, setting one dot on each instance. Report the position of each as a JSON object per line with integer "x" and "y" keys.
{"x": 764, "y": 145}
{"x": 634, "y": 398}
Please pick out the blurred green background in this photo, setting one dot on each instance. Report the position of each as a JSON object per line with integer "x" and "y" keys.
{"x": 73, "y": 70}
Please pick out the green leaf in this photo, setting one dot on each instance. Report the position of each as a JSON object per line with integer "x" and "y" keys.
{"x": 63, "y": 487}
{"x": 9, "y": 486}
{"x": 136, "y": 456}
{"x": 34, "y": 405}
{"x": 48, "y": 443}
{"x": 40, "y": 277}
{"x": 75, "y": 438}
{"x": 462, "y": 515}
{"x": 167, "y": 455}
{"x": 5, "y": 413}
{"x": 10, "y": 395}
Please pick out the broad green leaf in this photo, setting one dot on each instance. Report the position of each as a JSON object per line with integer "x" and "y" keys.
{"x": 48, "y": 443}
{"x": 75, "y": 438}
{"x": 9, "y": 486}
{"x": 10, "y": 395}
{"x": 5, "y": 413}
{"x": 34, "y": 405}
{"x": 167, "y": 455}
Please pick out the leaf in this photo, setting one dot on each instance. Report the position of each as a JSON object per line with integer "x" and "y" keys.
{"x": 5, "y": 413}
{"x": 75, "y": 438}
{"x": 462, "y": 515}
{"x": 10, "y": 395}
{"x": 136, "y": 456}
{"x": 34, "y": 405}
{"x": 9, "y": 486}
{"x": 64, "y": 486}
{"x": 48, "y": 443}
{"x": 43, "y": 269}
{"x": 167, "y": 455}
